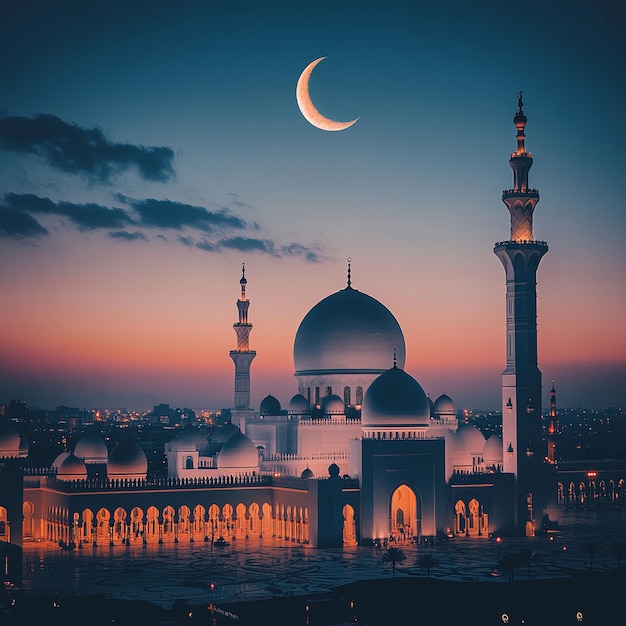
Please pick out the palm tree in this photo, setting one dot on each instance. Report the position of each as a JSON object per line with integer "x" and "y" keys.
{"x": 509, "y": 563}
{"x": 427, "y": 562}
{"x": 591, "y": 547}
{"x": 394, "y": 556}
{"x": 619, "y": 550}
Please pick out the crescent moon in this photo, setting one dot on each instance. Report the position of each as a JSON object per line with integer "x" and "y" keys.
{"x": 307, "y": 108}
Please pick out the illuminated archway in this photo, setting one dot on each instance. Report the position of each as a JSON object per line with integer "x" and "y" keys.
{"x": 349, "y": 526}
{"x": 459, "y": 517}
{"x": 28, "y": 521}
{"x": 406, "y": 519}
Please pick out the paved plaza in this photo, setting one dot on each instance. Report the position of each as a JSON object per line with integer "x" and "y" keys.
{"x": 255, "y": 569}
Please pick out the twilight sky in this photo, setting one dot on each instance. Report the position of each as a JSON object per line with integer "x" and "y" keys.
{"x": 148, "y": 148}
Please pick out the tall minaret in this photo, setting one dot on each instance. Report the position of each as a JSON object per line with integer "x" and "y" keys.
{"x": 553, "y": 426}
{"x": 524, "y": 450}
{"x": 242, "y": 356}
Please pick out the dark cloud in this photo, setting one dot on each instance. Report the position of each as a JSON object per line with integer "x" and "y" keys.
{"x": 85, "y": 151}
{"x": 207, "y": 246}
{"x": 249, "y": 244}
{"x": 176, "y": 215}
{"x": 17, "y": 221}
{"x": 17, "y": 224}
{"x": 297, "y": 249}
{"x": 86, "y": 216}
{"x": 125, "y": 235}
{"x": 186, "y": 241}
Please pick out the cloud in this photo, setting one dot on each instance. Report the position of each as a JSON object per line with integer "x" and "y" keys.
{"x": 125, "y": 235}
{"x": 186, "y": 241}
{"x": 249, "y": 244}
{"x": 17, "y": 224}
{"x": 85, "y": 216}
{"x": 86, "y": 151}
{"x": 17, "y": 221}
{"x": 176, "y": 215}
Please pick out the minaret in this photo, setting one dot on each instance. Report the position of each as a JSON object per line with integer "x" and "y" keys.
{"x": 524, "y": 450}
{"x": 242, "y": 356}
{"x": 553, "y": 426}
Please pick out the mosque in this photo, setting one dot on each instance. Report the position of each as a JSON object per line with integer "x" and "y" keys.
{"x": 360, "y": 454}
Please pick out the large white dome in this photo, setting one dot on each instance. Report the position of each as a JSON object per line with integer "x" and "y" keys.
{"x": 347, "y": 332}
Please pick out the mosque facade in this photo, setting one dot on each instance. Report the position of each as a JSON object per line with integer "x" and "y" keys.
{"x": 359, "y": 455}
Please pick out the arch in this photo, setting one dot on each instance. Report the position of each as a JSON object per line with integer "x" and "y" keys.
{"x": 103, "y": 517}
{"x": 358, "y": 400}
{"x": 28, "y": 520}
{"x": 349, "y": 526}
{"x": 405, "y": 514}
{"x": 346, "y": 396}
{"x": 266, "y": 520}
{"x": 188, "y": 462}
{"x": 152, "y": 529}
{"x": 459, "y": 518}
{"x": 5, "y": 534}
{"x": 136, "y": 523}
{"x": 184, "y": 514}
{"x": 240, "y": 525}
{"x": 478, "y": 520}
{"x": 119, "y": 527}
{"x": 560, "y": 493}
{"x": 168, "y": 532}
{"x": 226, "y": 521}
{"x": 89, "y": 527}
{"x": 199, "y": 521}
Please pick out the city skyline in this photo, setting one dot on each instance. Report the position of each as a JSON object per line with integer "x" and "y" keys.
{"x": 146, "y": 154}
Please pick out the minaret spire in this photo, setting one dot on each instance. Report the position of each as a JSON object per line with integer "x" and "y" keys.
{"x": 349, "y": 259}
{"x": 521, "y": 380}
{"x": 242, "y": 356}
{"x": 521, "y": 199}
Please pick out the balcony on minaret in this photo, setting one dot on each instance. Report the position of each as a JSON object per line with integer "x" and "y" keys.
{"x": 516, "y": 193}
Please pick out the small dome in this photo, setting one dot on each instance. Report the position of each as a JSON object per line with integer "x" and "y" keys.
{"x": 333, "y": 470}
{"x": 299, "y": 405}
{"x": 469, "y": 439}
{"x": 72, "y": 468}
{"x": 57, "y": 462}
{"x": 493, "y": 452}
{"x": 238, "y": 453}
{"x": 270, "y": 406}
{"x": 224, "y": 433}
{"x": 9, "y": 441}
{"x": 127, "y": 460}
{"x": 307, "y": 473}
{"x": 444, "y": 407}
{"x": 395, "y": 400}
{"x": 333, "y": 405}
{"x": 91, "y": 449}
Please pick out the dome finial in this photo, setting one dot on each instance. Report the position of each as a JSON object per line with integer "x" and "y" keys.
{"x": 349, "y": 259}
{"x": 395, "y": 358}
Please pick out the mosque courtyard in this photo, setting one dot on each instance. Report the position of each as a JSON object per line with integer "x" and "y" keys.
{"x": 249, "y": 570}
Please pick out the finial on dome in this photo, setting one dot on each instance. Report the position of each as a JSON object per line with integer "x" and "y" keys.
{"x": 349, "y": 259}
{"x": 395, "y": 358}
{"x": 243, "y": 280}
